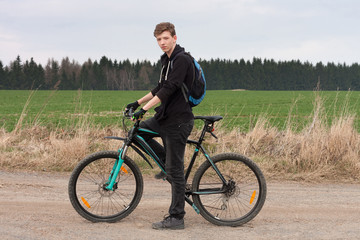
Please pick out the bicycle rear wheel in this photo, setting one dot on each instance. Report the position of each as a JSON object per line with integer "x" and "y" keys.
{"x": 88, "y": 193}
{"x": 236, "y": 202}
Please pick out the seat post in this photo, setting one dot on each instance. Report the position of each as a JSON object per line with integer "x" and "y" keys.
{"x": 201, "y": 138}
{"x": 207, "y": 121}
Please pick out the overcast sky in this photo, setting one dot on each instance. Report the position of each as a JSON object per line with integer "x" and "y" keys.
{"x": 308, "y": 30}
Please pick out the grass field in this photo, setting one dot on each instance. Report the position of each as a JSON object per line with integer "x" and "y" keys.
{"x": 104, "y": 108}
{"x": 290, "y": 135}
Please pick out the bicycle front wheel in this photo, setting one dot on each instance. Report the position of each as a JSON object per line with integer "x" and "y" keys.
{"x": 90, "y": 197}
{"x": 232, "y": 203}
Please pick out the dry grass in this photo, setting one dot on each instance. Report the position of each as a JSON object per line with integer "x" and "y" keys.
{"x": 37, "y": 148}
{"x": 320, "y": 151}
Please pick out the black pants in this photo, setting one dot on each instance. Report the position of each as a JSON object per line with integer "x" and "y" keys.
{"x": 174, "y": 138}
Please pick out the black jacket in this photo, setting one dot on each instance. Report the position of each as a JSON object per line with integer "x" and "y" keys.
{"x": 174, "y": 109}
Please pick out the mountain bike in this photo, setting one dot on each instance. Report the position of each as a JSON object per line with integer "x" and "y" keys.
{"x": 227, "y": 189}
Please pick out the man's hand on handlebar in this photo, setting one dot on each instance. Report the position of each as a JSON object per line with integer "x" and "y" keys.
{"x": 138, "y": 115}
{"x": 132, "y": 106}
{"x": 130, "y": 111}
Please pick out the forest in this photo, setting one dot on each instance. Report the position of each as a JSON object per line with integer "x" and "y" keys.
{"x": 220, "y": 74}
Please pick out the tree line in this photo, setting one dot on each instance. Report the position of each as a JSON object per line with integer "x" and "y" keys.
{"x": 220, "y": 74}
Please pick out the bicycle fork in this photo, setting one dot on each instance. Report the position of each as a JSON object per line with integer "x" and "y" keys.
{"x": 116, "y": 168}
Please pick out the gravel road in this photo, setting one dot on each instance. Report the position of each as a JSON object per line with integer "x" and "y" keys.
{"x": 36, "y": 206}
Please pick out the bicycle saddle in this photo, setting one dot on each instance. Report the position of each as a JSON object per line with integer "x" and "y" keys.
{"x": 209, "y": 118}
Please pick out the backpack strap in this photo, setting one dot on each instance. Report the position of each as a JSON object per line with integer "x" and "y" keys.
{"x": 185, "y": 91}
{"x": 184, "y": 88}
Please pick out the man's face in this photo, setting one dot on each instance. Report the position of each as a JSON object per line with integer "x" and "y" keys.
{"x": 166, "y": 42}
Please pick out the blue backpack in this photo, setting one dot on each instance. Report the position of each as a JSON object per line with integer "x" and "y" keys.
{"x": 196, "y": 93}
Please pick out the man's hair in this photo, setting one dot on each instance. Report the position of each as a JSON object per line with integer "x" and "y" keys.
{"x": 164, "y": 26}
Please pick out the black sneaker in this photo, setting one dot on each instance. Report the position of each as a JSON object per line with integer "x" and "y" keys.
{"x": 169, "y": 223}
{"x": 160, "y": 175}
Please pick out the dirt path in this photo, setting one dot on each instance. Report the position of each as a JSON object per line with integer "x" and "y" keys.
{"x": 36, "y": 206}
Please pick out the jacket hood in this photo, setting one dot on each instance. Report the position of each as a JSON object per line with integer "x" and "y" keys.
{"x": 178, "y": 49}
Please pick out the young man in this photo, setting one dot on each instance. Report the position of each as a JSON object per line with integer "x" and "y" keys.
{"x": 174, "y": 119}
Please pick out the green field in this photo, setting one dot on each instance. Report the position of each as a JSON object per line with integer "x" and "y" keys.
{"x": 104, "y": 108}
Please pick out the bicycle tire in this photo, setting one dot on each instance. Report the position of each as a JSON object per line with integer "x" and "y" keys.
{"x": 244, "y": 197}
{"x": 88, "y": 195}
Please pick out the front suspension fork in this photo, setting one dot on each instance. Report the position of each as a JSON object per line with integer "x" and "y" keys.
{"x": 116, "y": 168}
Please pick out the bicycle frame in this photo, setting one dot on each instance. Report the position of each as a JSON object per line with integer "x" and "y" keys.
{"x": 134, "y": 140}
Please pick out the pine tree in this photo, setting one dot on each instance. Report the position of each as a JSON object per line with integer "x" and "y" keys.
{"x": 16, "y": 75}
